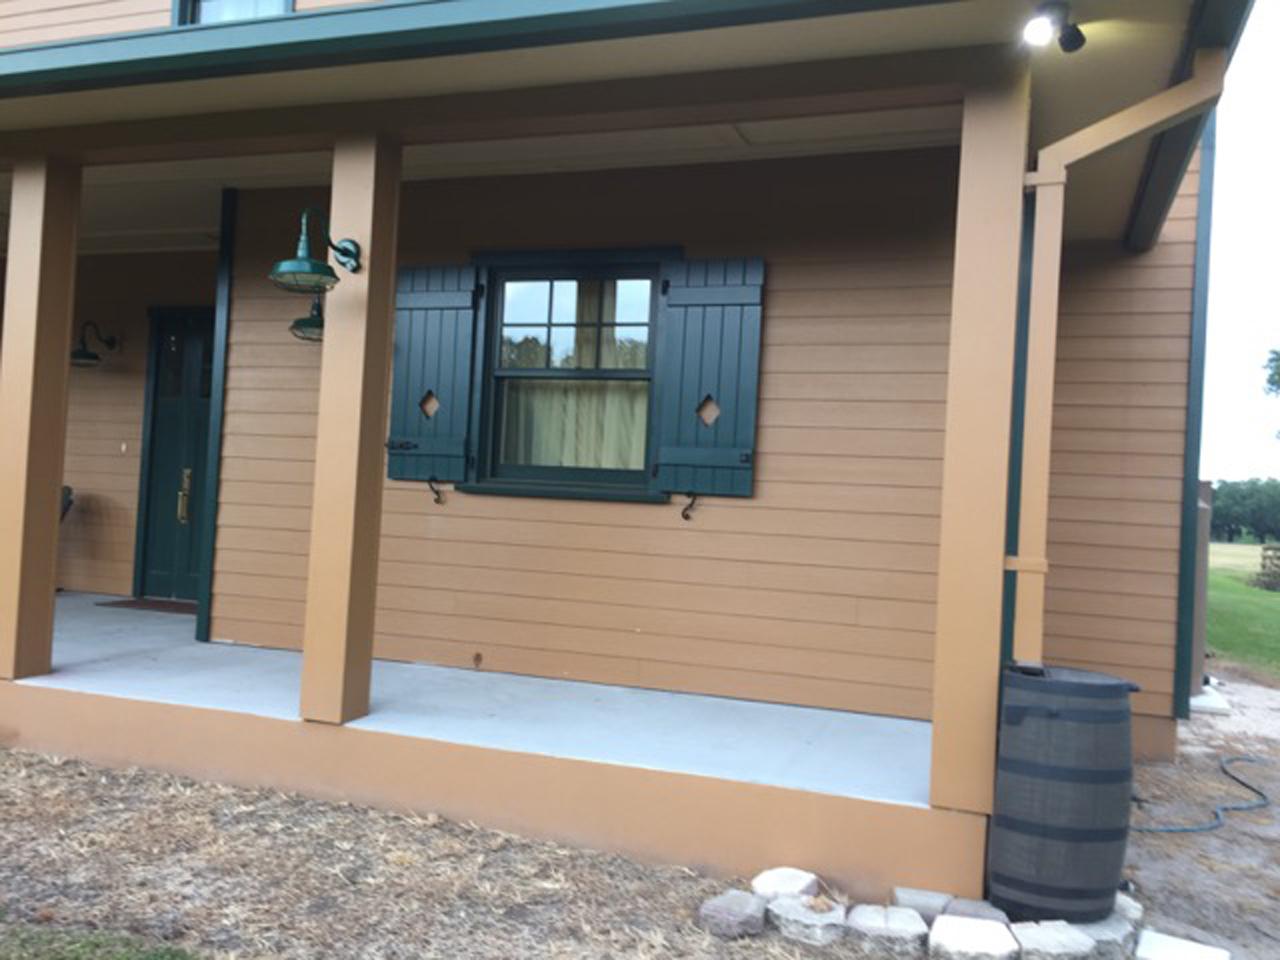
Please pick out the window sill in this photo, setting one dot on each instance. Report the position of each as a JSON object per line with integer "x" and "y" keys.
{"x": 562, "y": 491}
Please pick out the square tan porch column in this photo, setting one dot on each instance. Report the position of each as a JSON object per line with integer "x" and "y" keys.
{"x": 38, "y": 300}
{"x": 346, "y": 512}
{"x": 993, "y": 158}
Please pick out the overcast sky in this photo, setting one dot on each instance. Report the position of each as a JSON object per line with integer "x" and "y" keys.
{"x": 1240, "y": 420}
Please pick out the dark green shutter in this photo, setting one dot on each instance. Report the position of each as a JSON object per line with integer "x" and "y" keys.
{"x": 708, "y": 344}
{"x": 435, "y": 334}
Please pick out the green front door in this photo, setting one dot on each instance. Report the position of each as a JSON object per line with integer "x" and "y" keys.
{"x": 181, "y": 381}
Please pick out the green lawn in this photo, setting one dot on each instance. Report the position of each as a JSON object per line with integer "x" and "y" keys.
{"x": 1244, "y": 620}
{"x": 26, "y": 943}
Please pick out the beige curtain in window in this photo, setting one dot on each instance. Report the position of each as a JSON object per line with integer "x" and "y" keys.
{"x": 575, "y": 423}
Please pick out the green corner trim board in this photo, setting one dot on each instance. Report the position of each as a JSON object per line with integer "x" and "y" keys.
{"x": 396, "y": 29}
{"x": 1187, "y": 599}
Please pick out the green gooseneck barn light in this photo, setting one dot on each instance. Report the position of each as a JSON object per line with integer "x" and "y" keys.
{"x": 310, "y": 327}
{"x": 304, "y": 273}
{"x": 81, "y": 355}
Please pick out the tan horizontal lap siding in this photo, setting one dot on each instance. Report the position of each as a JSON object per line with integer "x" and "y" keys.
{"x": 1118, "y": 445}
{"x": 49, "y": 21}
{"x": 818, "y": 590}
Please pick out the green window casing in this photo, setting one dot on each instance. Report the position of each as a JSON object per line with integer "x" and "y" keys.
{"x": 707, "y": 376}
{"x": 705, "y": 379}
{"x": 431, "y": 373}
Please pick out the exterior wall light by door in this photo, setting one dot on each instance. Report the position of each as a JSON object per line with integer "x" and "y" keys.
{"x": 82, "y": 356}
{"x": 310, "y": 327}
{"x": 306, "y": 274}
{"x": 1053, "y": 20}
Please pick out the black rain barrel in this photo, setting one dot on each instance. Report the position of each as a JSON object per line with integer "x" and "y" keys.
{"x": 1064, "y": 779}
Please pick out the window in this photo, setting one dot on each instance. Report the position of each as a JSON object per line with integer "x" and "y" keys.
{"x": 220, "y": 11}
{"x": 608, "y": 375}
{"x": 570, "y": 377}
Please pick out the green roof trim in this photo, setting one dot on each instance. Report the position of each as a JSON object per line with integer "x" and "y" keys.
{"x": 1189, "y": 535}
{"x": 1213, "y": 23}
{"x": 392, "y": 30}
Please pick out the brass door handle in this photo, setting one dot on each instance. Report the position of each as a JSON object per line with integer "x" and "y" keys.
{"x": 184, "y": 497}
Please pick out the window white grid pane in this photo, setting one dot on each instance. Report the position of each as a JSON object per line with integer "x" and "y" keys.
{"x": 218, "y": 11}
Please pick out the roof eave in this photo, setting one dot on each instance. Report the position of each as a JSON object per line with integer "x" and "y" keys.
{"x": 1213, "y": 23}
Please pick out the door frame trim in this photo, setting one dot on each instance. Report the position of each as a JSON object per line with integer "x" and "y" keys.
{"x": 217, "y": 402}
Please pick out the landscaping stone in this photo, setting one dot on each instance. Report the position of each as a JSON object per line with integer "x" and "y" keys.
{"x": 1129, "y": 908}
{"x": 1114, "y": 937}
{"x": 887, "y": 933}
{"x": 734, "y": 913}
{"x": 970, "y": 938}
{"x": 785, "y": 882}
{"x": 930, "y": 904}
{"x": 1052, "y": 940}
{"x": 1160, "y": 946}
{"x": 813, "y": 920}
{"x": 975, "y": 909}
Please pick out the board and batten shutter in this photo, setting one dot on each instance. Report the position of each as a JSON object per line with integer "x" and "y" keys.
{"x": 431, "y": 373}
{"x": 706, "y": 377}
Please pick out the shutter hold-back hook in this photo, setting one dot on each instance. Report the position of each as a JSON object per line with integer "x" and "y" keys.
{"x": 436, "y": 493}
{"x": 687, "y": 512}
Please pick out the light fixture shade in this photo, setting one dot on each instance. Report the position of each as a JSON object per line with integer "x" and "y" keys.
{"x": 1071, "y": 38}
{"x": 310, "y": 327}
{"x": 82, "y": 356}
{"x": 303, "y": 274}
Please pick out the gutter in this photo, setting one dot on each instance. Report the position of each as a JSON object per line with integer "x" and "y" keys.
{"x": 392, "y": 30}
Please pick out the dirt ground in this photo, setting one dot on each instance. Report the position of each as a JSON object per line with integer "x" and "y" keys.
{"x": 238, "y": 873}
{"x": 1221, "y": 887}
{"x": 235, "y": 873}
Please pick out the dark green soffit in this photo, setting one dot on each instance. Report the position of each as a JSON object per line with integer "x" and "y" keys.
{"x": 393, "y": 30}
{"x": 1213, "y": 23}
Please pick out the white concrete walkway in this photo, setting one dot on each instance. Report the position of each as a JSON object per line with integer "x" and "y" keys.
{"x": 143, "y": 655}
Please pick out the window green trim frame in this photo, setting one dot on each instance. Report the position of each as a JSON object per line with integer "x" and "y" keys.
{"x": 1188, "y": 539}
{"x": 391, "y": 30}
{"x": 184, "y": 12}
{"x": 144, "y": 473}
{"x": 217, "y": 401}
{"x": 490, "y": 476}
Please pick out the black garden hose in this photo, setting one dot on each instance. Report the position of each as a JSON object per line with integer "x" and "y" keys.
{"x": 1218, "y": 819}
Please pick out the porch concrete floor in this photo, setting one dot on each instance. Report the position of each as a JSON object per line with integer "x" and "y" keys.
{"x": 145, "y": 655}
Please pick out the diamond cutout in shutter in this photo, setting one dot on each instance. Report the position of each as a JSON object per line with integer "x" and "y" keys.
{"x": 708, "y": 410}
{"x": 429, "y": 404}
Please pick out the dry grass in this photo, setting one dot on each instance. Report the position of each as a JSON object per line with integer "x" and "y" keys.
{"x": 239, "y": 873}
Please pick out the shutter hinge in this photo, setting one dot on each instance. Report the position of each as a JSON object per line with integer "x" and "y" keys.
{"x": 666, "y": 287}
{"x": 745, "y": 458}
{"x": 401, "y": 445}
{"x": 476, "y": 296}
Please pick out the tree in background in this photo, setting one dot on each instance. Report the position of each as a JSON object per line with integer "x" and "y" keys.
{"x": 1246, "y": 506}
{"x": 1272, "y": 367}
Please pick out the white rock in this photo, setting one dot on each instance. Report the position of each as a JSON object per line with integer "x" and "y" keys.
{"x": 969, "y": 938}
{"x": 1129, "y": 908}
{"x": 1159, "y": 946}
{"x": 887, "y": 933}
{"x": 930, "y": 904}
{"x": 1052, "y": 940}
{"x": 735, "y": 913}
{"x": 977, "y": 909}
{"x": 1114, "y": 937}
{"x": 814, "y": 920}
{"x": 785, "y": 882}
